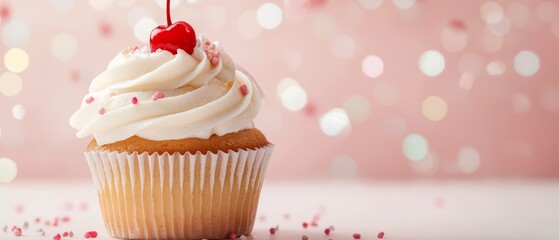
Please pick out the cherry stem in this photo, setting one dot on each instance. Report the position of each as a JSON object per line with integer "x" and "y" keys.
{"x": 169, "y": 22}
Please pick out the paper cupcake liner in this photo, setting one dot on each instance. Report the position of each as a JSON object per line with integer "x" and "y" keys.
{"x": 179, "y": 196}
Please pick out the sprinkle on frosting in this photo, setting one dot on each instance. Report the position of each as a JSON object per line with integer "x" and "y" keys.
{"x": 89, "y": 100}
{"x": 158, "y": 95}
{"x": 134, "y": 100}
{"x": 102, "y": 111}
{"x": 244, "y": 89}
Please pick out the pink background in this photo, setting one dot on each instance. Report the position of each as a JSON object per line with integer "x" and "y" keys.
{"x": 509, "y": 120}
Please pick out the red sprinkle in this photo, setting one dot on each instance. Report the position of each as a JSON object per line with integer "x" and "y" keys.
{"x": 233, "y": 236}
{"x": 17, "y": 232}
{"x": 56, "y": 237}
{"x": 327, "y": 231}
{"x": 90, "y": 234}
{"x": 134, "y": 100}
{"x": 380, "y": 235}
{"x": 158, "y": 95}
{"x": 102, "y": 111}
{"x": 305, "y": 225}
{"x": 244, "y": 89}
{"x": 356, "y": 236}
{"x": 272, "y": 231}
{"x": 65, "y": 234}
{"x": 89, "y": 100}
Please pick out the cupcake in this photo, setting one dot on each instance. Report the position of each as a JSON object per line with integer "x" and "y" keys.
{"x": 174, "y": 154}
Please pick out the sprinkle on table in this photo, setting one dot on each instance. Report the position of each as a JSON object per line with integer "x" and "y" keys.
{"x": 356, "y": 236}
{"x": 380, "y": 235}
{"x": 327, "y": 231}
{"x": 232, "y": 236}
{"x": 272, "y": 231}
{"x": 305, "y": 237}
{"x": 57, "y": 237}
{"x": 17, "y": 232}
{"x": 305, "y": 225}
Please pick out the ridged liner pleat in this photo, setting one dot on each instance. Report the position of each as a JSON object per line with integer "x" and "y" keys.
{"x": 179, "y": 196}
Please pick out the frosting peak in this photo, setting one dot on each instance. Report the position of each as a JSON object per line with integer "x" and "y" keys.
{"x": 198, "y": 95}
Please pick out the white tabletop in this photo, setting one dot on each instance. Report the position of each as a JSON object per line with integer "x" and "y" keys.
{"x": 403, "y": 210}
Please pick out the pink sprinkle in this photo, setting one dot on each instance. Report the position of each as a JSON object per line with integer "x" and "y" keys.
{"x": 65, "y": 219}
{"x": 102, "y": 111}
{"x": 19, "y": 208}
{"x": 37, "y": 220}
{"x": 134, "y": 100}
{"x": 244, "y": 89}
{"x": 56, "y": 237}
{"x": 331, "y": 227}
{"x": 14, "y": 228}
{"x": 17, "y": 232}
{"x": 262, "y": 218}
{"x": 286, "y": 216}
{"x": 272, "y": 231}
{"x": 65, "y": 234}
{"x": 232, "y": 236}
{"x": 313, "y": 224}
{"x": 215, "y": 60}
{"x": 380, "y": 235}
{"x": 327, "y": 231}
{"x": 356, "y": 236}
{"x": 158, "y": 95}
{"x": 83, "y": 206}
{"x": 90, "y": 234}
{"x": 305, "y": 225}
{"x": 70, "y": 234}
{"x": 89, "y": 100}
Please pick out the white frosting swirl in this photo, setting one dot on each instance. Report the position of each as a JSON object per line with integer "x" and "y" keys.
{"x": 201, "y": 98}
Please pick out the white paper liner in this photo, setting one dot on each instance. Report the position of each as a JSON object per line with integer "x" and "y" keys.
{"x": 179, "y": 196}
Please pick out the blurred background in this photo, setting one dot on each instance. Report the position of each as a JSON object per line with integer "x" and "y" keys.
{"x": 360, "y": 89}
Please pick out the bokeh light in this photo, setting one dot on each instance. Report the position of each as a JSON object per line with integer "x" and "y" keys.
{"x": 358, "y": 109}
{"x": 426, "y": 165}
{"x": 469, "y": 159}
{"x": 496, "y": 68}
{"x": 294, "y": 97}
{"x": 10, "y": 84}
{"x": 492, "y": 12}
{"x": 215, "y": 15}
{"x": 269, "y": 15}
{"x": 518, "y": 13}
{"x": 431, "y": 63}
{"x": 370, "y": 4}
{"x": 18, "y": 111}
{"x": 500, "y": 28}
{"x": 292, "y": 60}
{"x": 415, "y": 147}
{"x": 64, "y": 47}
{"x": 467, "y": 80}
{"x": 521, "y": 103}
{"x": 546, "y": 11}
{"x": 334, "y": 122}
{"x": 15, "y": 33}
{"x": 490, "y": 42}
{"x": 386, "y": 93}
{"x": 163, "y": 3}
{"x": 16, "y": 60}
{"x": 550, "y": 99}
{"x": 62, "y": 5}
{"x": 394, "y": 127}
{"x": 471, "y": 62}
{"x": 324, "y": 26}
{"x": 101, "y": 5}
{"x": 142, "y": 29}
{"x": 8, "y": 170}
{"x": 247, "y": 26}
{"x": 343, "y": 167}
{"x": 372, "y": 66}
{"x": 125, "y": 3}
{"x": 434, "y": 108}
{"x": 343, "y": 47}
{"x": 136, "y": 13}
{"x": 526, "y": 63}
{"x": 404, "y": 4}
{"x": 454, "y": 39}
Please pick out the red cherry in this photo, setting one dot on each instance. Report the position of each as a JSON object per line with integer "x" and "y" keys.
{"x": 179, "y": 35}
